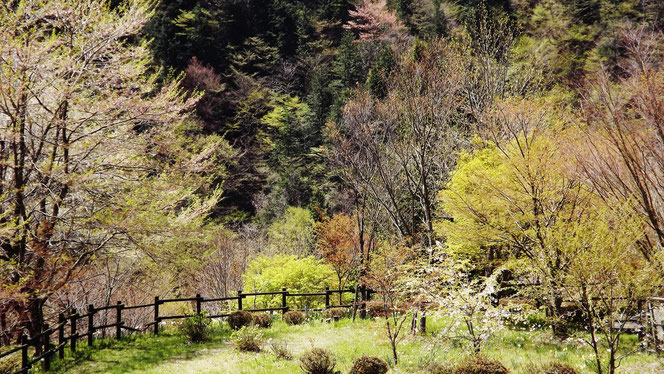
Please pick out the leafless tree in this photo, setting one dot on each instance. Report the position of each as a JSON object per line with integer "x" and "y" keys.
{"x": 623, "y": 156}
{"x": 401, "y": 149}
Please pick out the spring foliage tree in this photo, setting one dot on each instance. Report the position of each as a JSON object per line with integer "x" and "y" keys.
{"x": 80, "y": 118}
{"x": 467, "y": 304}
{"x": 389, "y": 276}
{"x": 523, "y": 190}
{"x": 293, "y": 233}
{"x": 609, "y": 280}
{"x": 338, "y": 245}
{"x": 623, "y": 152}
{"x": 517, "y": 191}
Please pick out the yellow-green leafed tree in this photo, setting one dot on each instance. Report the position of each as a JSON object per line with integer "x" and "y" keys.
{"x": 610, "y": 279}
{"x": 518, "y": 191}
{"x": 163, "y": 212}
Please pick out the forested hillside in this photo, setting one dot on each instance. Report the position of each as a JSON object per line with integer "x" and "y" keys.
{"x": 431, "y": 150}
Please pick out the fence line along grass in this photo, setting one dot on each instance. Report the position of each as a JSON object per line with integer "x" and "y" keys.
{"x": 73, "y": 326}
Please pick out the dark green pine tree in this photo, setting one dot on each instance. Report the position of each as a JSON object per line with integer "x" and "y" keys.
{"x": 380, "y": 72}
{"x": 348, "y": 64}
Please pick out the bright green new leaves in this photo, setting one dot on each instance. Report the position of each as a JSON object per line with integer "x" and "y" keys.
{"x": 293, "y": 233}
{"x": 521, "y": 196}
{"x": 521, "y": 193}
{"x": 268, "y": 274}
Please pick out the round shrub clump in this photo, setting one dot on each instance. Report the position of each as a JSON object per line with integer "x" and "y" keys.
{"x": 239, "y": 319}
{"x": 369, "y": 365}
{"x": 196, "y": 328}
{"x": 317, "y": 361}
{"x": 293, "y": 317}
{"x": 554, "y": 368}
{"x": 248, "y": 339}
{"x": 481, "y": 365}
{"x": 334, "y": 313}
{"x": 262, "y": 320}
{"x": 376, "y": 308}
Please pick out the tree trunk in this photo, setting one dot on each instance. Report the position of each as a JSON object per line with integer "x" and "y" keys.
{"x": 393, "y": 340}
{"x": 558, "y": 324}
{"x": 35, "y": 323}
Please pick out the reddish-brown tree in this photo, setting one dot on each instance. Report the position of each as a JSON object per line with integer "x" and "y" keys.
{"x": 338, "y": 245}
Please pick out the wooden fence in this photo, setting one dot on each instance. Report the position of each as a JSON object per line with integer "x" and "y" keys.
{"x": 54, "y": 339}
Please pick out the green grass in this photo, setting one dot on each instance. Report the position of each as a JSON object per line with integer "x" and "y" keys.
{"x": 169, "y": 353}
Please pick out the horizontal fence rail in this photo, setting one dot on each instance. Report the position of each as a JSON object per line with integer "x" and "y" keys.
{"x": 74, "y": 326}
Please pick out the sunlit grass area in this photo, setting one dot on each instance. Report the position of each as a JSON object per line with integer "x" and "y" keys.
{"x": 171, "y": 353}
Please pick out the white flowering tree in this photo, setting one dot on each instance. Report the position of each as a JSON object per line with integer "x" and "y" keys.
{"x": 448, "y": 290}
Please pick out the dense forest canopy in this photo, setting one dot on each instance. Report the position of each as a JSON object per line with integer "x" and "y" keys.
{"x": 184, "y": 146}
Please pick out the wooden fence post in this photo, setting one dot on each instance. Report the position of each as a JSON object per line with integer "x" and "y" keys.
{"x": 198, "y": 303}
{"x": 61, "y": 335}
{"x": 47, "y": 352}
{"x": 643, "y": 321}
{"x": 24, "y": 353}
{"x": 239, "y": 299}
{"x": 413, "y": 323}
{"x": 118, "y": 320}
{"x": 284, "y": 306}
{"x": 73, "y": 320}
{"x": 327, "y": 297}
{"x": 355, "y": 294}
{"x": 363, "y": 297}
{"x": 156, "y": 315}
{"x": 91, "y": 324}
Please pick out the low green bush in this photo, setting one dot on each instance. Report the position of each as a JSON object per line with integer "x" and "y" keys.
{"x": 262, "y": 320}
{"x": 248, "y": 339}
{"x": 334, "y": 312}
{"x": 318, "y": 361}
{"x": 553, "y": 368}
{"x": 293, "y": 317}
{"x": 239, "y": 319}
{"x": 369, "y": 365}
{"x": 196, "y": 328}
{"x": 481, "y": 365}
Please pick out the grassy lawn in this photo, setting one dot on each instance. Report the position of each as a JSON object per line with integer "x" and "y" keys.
{"x": 169, "y": 353}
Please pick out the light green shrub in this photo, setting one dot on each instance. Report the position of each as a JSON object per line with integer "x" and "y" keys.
{"x": 297, "y": 275}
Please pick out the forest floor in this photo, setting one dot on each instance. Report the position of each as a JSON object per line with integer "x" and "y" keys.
{"x": 169, "y": 353}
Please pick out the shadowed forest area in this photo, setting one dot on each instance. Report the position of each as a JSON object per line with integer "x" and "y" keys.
{"x": 494, "y": 168}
